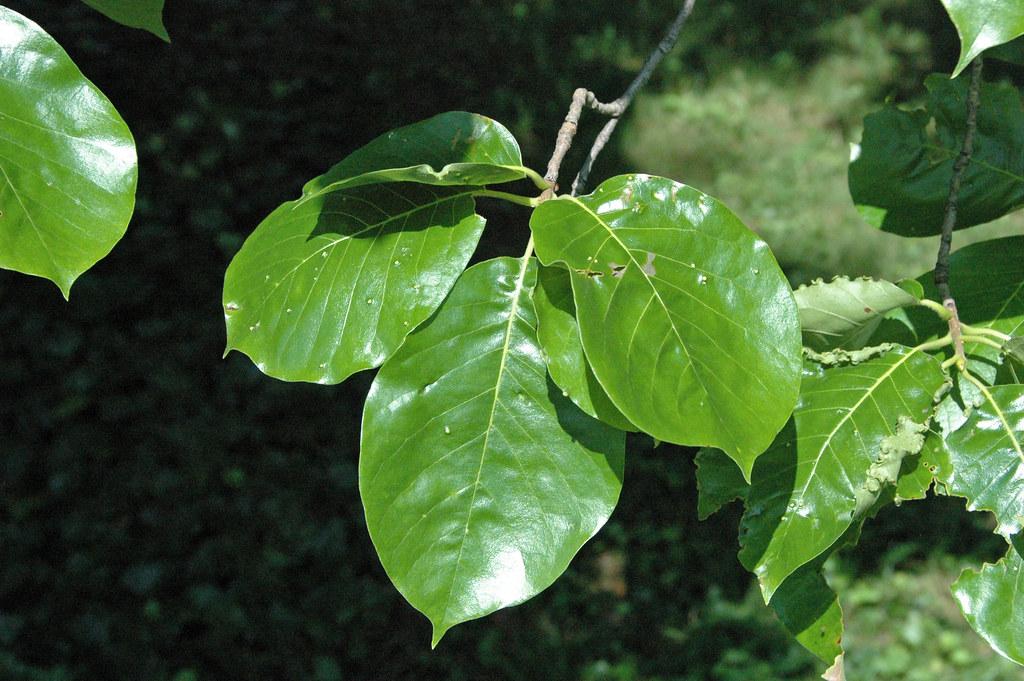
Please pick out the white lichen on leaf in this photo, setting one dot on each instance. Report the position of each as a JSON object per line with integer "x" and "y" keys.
{"x": 907, "y": 440}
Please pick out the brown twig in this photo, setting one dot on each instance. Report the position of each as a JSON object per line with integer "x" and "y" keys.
{"x": 585, "y": 98}
{"x": 963, "y": 159}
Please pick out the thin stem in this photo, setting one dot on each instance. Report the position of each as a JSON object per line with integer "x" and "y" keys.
{"x": 949, "y": 220}
{"x": 936, "y": 344}
{"x": 937, "y": 308}
{"x": 983, "y": 340}
{"x": 984, "y": 331}
{"x": 528, "y": 201}
{"x": 563, "y": 140}
{"x": 618, "y": 107}
{"x": 536, "y": 178}
{"x": 585, "y": 98}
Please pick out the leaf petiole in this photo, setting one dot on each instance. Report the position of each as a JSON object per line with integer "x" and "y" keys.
{"x": 936, "y": 307}
{"x": 983, "y": 331}
{"x": 936, "y": 344}
{"x": 536, "y": 178}
{"x": 519, "y": 200}
{"x": 984, "y": 340}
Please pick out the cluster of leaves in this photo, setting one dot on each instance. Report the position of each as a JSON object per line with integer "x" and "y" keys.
{"x": 493, "y": 434}
{"x": 880, "y": 417}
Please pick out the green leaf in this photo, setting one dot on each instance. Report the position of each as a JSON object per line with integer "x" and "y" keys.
{"x": 559, "y": 335}
{"x": 450, "y": 149}
{"x": 987, "y": 457}
{"x": 719, "y": 481}
{"x": 332, "y": 283}
{"x": 479, "y": 480}
{"x": 899, "y": 178}
{"x": 1014, "y": 348}
{"x": 68, "y": 167}
{"x": 919, "y": 471}
{"x": 992, "y": 600}
{"x": 144, "y": 14}
{"x": 982, "y": 24}
{"x": 685, "y": 317}
{"x": 809, "y": 609}
{"x": 1011, "y": 52}
{"x": 844, "y": 313}
{"x": 852, "y": 428}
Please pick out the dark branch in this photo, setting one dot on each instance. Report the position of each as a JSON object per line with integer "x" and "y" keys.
{"x": 963, "y": 159}
{"x": 618, "y": 107}
{"x": 584, "y": 98}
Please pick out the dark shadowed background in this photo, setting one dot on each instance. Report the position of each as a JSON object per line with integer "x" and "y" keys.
{"x": 166, "y": 514}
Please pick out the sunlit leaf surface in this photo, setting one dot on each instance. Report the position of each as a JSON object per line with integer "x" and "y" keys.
{"x": 68, "y": 167}
{"x": 480, "y": 481}
{"x": 687, "y": 321}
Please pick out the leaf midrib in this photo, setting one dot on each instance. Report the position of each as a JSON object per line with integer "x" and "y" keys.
{"x": 512, "y": 317}
{"x": 657, "y": 294}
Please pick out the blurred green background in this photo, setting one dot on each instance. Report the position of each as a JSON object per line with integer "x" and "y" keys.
{"x": 169, "y": 515}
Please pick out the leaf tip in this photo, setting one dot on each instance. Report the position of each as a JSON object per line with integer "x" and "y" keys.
{"x": 439, "y": 631}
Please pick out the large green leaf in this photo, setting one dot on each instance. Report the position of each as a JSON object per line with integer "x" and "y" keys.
{"x": 68, "y": 167}
{"x": 982, "y": 24}
{"x": 144, "y": 14}
{"x": 844, "y": 313}
{"x": 992, "y": 600}
{"x": 899, "y": 179}
{"x": 685, "y": 317}
{"x": 559, "y": 335}
{"x": 480, "y": 481}
{"x": 331, "y": 284}
{"x": 987, "y": 457}
{"x": 852, "y": 428}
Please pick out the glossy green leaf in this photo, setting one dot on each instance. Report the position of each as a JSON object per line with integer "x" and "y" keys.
{"x": 987, "y": 457}
{"x": 685, "y": 317}
{"x": 899, "y": 177}
{"x": 559, "y": 335}
{"x": 992, "y": 600}
{"x": 68, "y": 167}
{"x": 719, "y": 481}
{"x": 480, "y": 481}
{"x": 982, "y": 24}
{"x": 331, "y": 284}
{"x": 450, "y": 149}
{"x": 844, "y": 313}
{"x": 851, "y": 430}
{"x": 144, "y": 14}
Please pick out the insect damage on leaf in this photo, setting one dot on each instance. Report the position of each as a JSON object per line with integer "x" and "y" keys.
{"x": 906, "y": 441}
{"x": 839, "y": 357}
